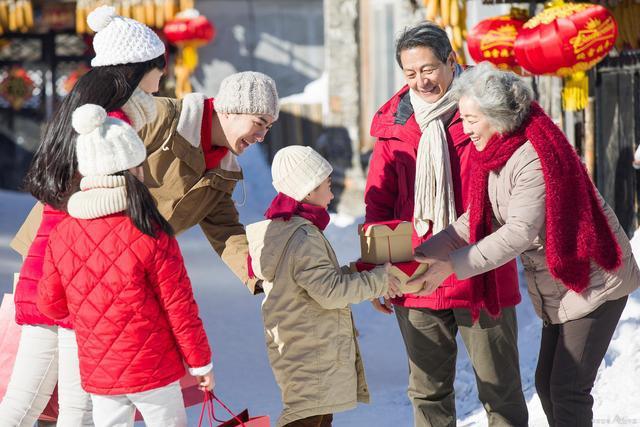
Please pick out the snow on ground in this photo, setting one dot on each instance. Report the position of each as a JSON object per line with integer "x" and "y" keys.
{"x": 244, "y": 378}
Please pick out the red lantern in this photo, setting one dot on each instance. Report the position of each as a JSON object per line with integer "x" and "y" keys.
{"x": 493, "y": 40}
{"x": 566, "y": 40}
{"x": 189, "y": 30}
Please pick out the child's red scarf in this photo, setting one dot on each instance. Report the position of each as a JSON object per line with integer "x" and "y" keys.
{"x": 283, "y": 206}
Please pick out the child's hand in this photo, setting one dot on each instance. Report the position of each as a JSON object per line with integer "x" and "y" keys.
{"x": 394, "y": 284}
{"x": 206, "y": 381}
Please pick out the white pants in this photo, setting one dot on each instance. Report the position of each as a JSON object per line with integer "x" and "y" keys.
{"x": 160, "y": 407}
{"x": 46, "y": 355}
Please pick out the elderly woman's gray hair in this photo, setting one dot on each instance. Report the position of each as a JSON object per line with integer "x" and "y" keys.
{"x": 502, "y": 96}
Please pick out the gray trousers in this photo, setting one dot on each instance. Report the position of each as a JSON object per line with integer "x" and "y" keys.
{"x": 570, "y": 355}
{"x": 430, "y": 340}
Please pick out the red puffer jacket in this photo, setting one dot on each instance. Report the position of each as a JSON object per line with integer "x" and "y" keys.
{"x": 130, "y": 301}
{"x": 26, "y": 295}
{"x": 390, "y": 186}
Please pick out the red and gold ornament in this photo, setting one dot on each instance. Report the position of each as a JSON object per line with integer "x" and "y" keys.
{"x": 188, "y": 31}
{"x": 17, "y": 88}
{"x": 493, "y": 40}
{"x": 566, "y": 40}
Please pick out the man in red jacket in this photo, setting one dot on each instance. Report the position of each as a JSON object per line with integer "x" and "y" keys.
{"x": 419, "y": 172}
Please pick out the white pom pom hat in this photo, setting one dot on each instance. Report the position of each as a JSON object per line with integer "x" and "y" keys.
{"x": 105, "y": 145}
{"x": 298, "y": 170}
{"x": 120, "y": 40}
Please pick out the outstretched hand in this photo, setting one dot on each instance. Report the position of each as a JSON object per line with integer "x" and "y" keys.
{"x": 437, "y": 272}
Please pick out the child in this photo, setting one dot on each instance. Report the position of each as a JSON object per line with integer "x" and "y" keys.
{"x": 308, "y": 325}
{"x": 115, "y": 268}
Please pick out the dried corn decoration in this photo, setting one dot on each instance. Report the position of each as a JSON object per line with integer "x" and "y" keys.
{"x": 627, "y": 15}
{"x": 452, "y": 16}
{"x": 152, "y": 13}
{"x": 16, "y": 16}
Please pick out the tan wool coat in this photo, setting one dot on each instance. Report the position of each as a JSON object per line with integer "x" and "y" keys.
{"x": 186, "y": 193}
{"x": 517, "y": 195}
{"x": 311, "y": 340}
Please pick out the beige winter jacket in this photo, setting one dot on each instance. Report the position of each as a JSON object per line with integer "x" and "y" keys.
{"x": 517, "y": 195}
{"x": 309, "y": 329}
{"x": 186, "y": 194}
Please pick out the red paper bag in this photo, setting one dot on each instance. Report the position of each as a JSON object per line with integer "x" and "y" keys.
{"x": 9, "y": 341}
{"x": 240, "y": 420}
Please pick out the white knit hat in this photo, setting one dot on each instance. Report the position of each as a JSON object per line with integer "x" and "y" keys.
{"x": 105, "y": 145}
{"x": 248, "y": 92}
{"x": 298, "y": 170}
{"x": 120, "y": 40}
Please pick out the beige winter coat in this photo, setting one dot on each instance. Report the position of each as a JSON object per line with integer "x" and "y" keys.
{"x": 309, "y": 329}
{"x": 517, "y": 195}
{"x": 186, "y": 193}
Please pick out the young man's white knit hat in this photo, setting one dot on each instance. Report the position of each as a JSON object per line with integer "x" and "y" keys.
{"x": 105, "y": 145}
{"x": 120, "y": 40}
{"x": 298, "y": 170}
{"x": 248, "y": 92}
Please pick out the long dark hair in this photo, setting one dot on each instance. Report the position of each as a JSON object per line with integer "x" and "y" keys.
{"x": 52, "y": 176}
{"x": 141, "y": 207}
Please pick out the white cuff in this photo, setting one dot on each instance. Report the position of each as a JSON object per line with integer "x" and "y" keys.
{"x": 203, "y": 370}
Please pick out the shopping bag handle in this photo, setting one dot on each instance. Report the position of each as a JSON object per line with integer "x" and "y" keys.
{"x": 208, "y": 407}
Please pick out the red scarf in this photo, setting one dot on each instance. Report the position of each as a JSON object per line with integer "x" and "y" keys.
{"x": 577, "y": 230}
{"x": 213, "y": 154}
{"x": 120, "y": 114}
{"x": 283, "y": 206}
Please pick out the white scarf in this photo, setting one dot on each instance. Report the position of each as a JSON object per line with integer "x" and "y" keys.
{"x": 140, "y": 108}
{"x": 434, "y": 200}
{"x": 98, "y": 196}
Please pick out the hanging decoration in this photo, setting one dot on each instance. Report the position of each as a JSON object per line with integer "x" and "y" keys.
{"x": 627, "y": 15}
{"x": 493, "y": 40}
{"x": 16, "y": 16}
{"x": 452, "y": 16}
{"x": 567, "y": 40}
{"x": 152, "y": 13}
{"x": 17, "y": 87}
{"x": 188, "y": 31}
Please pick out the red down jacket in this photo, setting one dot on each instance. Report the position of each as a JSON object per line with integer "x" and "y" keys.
{"x": 130, "y": 302}
{"x": 26, "y": 295}
{"x": 390, "y": 186}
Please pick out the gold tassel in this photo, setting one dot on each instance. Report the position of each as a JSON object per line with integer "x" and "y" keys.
{"x": 189, "y": 55}
{"x": 575, "y": 93}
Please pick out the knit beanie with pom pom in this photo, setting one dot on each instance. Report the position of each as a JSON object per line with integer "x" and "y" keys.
{"x": 298, "y": 170}
{"x": 120, "y": 40}
{"x": 105, "y": 145}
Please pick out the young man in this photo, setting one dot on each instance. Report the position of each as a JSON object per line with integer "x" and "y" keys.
{"x": 191, "y": 167}
{"x": 420, "y": 172}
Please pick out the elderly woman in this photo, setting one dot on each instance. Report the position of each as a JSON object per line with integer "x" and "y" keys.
{"x": 531, "y": 197}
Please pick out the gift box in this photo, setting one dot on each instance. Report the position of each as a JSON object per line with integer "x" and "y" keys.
{"x": 388, "y": 241}
{"x": 403, "y": 271}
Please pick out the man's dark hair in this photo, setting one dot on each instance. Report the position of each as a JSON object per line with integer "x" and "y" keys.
{"x": 425, "y": 34}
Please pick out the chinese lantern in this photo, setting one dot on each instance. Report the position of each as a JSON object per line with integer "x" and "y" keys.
{"x": 493, "y": 40}
{"x": 566, "y": 40}
{"x": 189, "y": 30}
